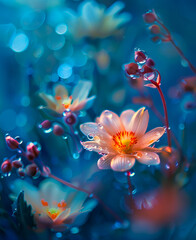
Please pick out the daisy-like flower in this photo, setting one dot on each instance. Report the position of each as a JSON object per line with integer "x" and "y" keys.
{"x": 54, "y": 205}
{"x": 61, "y": 101}
{"x": 122, "y": 139}
{"x": 96, "y": 21}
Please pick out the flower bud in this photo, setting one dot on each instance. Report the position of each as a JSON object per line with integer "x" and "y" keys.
{"x": 21, "y": 172}
{"x": 131, "y": 68}
{"x": 140, "y": 57}
{"x": 150, "y": 62}
{"x": 17, "y": 164}
{"x": 46, "y": 124}
{"x": 58, "y": 130}
{"x": 31, "y": 170}
{"x": 11, "y": 142}
{"x": 70, "y": 118}
{"x": 156, "y": 39}
{"x": 30, "y": 156}
{"x": 6, "y": 166}
{"x": 150, "y": 17}
{"x": 155, "y": 29}
{"x": 146, "y": 69}
{"x": 33, "y": 149}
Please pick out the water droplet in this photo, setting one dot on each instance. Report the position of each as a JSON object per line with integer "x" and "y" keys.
{"x": 38, "y": 146}
{"x": 76, "y": 155}
{"x": 17, "y": 138}
{"x": 48, "y": 130}
{"x": 74, "y": 230}
{"x": 90, "y": 136}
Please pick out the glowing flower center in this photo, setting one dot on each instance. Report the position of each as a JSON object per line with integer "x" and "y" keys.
{"x": 65, "y": 101}
{"x": 54, "y": 212}
{"x": 123, "y": 141}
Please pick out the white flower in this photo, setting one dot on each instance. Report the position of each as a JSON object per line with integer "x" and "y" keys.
{"x": 122, "y": 139}
{"x": 54, "y": 205}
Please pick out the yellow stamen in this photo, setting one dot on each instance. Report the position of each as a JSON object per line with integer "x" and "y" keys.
{"x": 123, "y": 141}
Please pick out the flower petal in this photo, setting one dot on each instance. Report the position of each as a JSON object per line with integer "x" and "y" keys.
{"x": 122, "y": 163}
{"x": 139, "y": 122}
{"x": 82, "y": 90}
{"x": 111, "y": 122}
{"x": 96, "y": 147}
{"x": 148, "y": 158}
{"x": 105, "y": 161}
{"x": 93, "y": 129}
{"x": 126, "y": 117}
{"x": 61, "y": 91}
{"x": 149, "y": 138}
{"x": 49, "y": 99}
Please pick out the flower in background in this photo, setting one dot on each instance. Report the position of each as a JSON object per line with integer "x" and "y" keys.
{"x": 54, "y": 205}
{"x": 95, "y": 20}
{"x": 122, "y": 139}
{"x": 61, "y": 101}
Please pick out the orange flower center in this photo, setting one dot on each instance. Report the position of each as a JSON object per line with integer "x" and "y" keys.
{"x": 53, "y": 212}
{"x": 123, "y": 141}
{"x": 65, "y": 101}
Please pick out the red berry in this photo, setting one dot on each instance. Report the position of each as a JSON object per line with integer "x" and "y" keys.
{"x": 58, "y": 130}
{"x": 30, "y": 156}
{"x": 140, "y": 56}
{"x": 155, "y": 29}
{"x": 46, "y": 124}
{"x": 31, "y": 170}
{"x": 150, "y": 62}
{"x": 70, "y": 118}
{"x": 11, "y": 142}
{"x": 150, "y": 17}
{"x": 33, "y": 149}
{"x": 21, "y": 172}
{"x": 17, "y": 164}
{"x": 6, "y": 166}
{"x": 147, "y": 69}
{"x": 131, "y": 68}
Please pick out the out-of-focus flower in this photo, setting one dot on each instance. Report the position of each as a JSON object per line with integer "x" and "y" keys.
{"x": 162, "y": 206}
{"x": 55, "y": 206}
{"x": 96, "y": 21}
{"x": 189, "y": 84}
{"x": 122, "y": 139}
{"x": 78, "y": 100}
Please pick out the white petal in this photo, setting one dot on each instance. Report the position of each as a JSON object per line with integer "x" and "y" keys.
{"x": 126, "y": 117}
{"x": 61, "y": 91}
{"x": 82, "y": 90}
{"x": 122, "y": 163}
{"x": 63, "y": 215}
{"x": 148, "y": 158}
{"x": 50, "y": 101}
{"x": 93, "y": 129}
{"x": 105, "y": 161}
{"x": 149, "y": 138}
{"x": 139, "y": 122}
{"x": 111, "y": 122}
{"x": 96, "y": 147}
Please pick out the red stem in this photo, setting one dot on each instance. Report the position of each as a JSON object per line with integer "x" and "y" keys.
{"x": 89, "y": 193}
{"x": 176, "y": 47}
{"x": 165, "y": 111}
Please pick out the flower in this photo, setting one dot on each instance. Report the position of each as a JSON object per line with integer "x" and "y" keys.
{"x": 61, "y": 101}
{"x": 122, "y": 139}
{"x": 54, "y": 205}
{"x": 95, "y": 20}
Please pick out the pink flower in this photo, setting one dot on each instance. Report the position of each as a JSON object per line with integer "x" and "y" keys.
{"x": 61, "y": 101}
{"x": 122, "y": 139}
{"x": 54, "y": 205}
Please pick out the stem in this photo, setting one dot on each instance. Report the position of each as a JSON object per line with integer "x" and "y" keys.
{"x": 182, "y": 55}
{"x": 176, "y": 47}
{"x": 130, "y": 186}
{"x": 89, "y": 194}
{"x": 165, "y": 111}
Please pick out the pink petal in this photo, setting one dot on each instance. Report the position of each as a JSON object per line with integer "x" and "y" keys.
{"x": 50, "y": 101}
{"x": 93, "y": 129}
{"x": 149, "y": 138}
{"x": 61, "y": 91}
{"x": 139, "y": 122}
{"x": 111, "y": 122}
{"x": 148, "y": 158}
{"x": 122, "y": 163}
{"x": 94, "y": 146}
{"x": 126, "y": 117}
{"x": 104, "y": 162}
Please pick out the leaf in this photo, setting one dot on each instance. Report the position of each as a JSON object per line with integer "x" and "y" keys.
{"x": 150, "y": 85}
{"x": 23, "y": 213}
